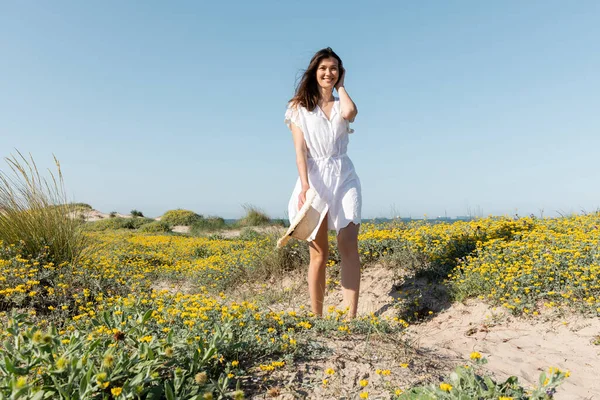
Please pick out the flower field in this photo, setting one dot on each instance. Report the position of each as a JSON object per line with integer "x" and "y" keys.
{"x": 524, "y": 264}
{"x": 104, "y": 327}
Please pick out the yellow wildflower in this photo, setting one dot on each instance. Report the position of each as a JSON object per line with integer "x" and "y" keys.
{"x": 21, "y": 382}
{"x": 445, "y": 387}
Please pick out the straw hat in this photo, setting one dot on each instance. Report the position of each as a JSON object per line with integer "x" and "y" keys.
{"x": 305, "y": 222}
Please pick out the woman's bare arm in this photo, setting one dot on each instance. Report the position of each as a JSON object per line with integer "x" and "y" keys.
{"x": 301, "y": 163}
{"x": 348, "y": 107}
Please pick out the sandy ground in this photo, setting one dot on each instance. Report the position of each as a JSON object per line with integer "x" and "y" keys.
{"x": 232, "y": 233}
{"x": 513, "y": 346}
{"x": 519, "y": 347}
{"x": 95, "y": 215}
{"x": 181, "y": 229}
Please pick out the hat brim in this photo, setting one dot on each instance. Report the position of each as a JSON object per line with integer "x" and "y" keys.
{"x": 305, "y": 222}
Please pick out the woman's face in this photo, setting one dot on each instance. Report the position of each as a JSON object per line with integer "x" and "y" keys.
{"x": 328, "y": 73}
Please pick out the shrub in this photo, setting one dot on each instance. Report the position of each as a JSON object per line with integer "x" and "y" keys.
{"x": 280, "y": 222}
{"x": 36, "y": 214}
{"x": 249, "y": 234}
{"x": 82, "y": 206}
{"x": 155, "y": 227}
{"x": 136, "y": 223}
{"x": 112, "y": 214}
{"x": 207, "y": 224}
{"x": 136, "y": 213}
{"x": 274, "y": 261}
{"x": 202, "y": 251}
{"x": 181, "y": 217}
{"x": 117, "y": 223}
{"x": 254, "y": 217}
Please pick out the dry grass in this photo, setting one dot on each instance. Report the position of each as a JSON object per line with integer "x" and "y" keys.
{"x": 254, "y": 217}
{"x": 34, "y": 212}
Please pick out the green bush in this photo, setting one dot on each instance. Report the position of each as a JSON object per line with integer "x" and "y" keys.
{"x": 117, "y": 223}
{"x": 202, "y": 251}
{"x": 207, "y": 225}
{"x": 280, "y": 222}
{"x": 216, "y": 236}
{"x": 249, "y": 234}
{"x": 155, "y": 227}
{"x": 34, "y": 212}
{"x": 136, "y": 223}
{"x": 254, "y": 217}
{"x": 82, "y": 206}
{"x": 136, "y": 213}
{"x": 103, "y": 224}
{"x": 181, "y": 217}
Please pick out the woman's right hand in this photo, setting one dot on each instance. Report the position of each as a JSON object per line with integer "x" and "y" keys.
{"x": 302, "y": 197}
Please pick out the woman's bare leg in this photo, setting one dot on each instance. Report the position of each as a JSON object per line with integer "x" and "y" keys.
{"x": 319, "y": 253}
{"x": 348, "y": 247}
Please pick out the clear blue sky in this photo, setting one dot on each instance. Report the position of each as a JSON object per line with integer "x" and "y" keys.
{"x": 485, "y": 106}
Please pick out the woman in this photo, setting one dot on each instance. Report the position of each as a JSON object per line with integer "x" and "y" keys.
{"x": 320, "y": 124}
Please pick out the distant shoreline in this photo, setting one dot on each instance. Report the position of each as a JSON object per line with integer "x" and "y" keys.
{"x": 231, "y": 221}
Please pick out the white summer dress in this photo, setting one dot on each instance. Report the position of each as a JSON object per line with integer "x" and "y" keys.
{"x": 330, "y": 171}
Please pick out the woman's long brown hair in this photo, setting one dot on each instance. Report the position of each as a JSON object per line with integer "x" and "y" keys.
{"x": 307, "y": 92}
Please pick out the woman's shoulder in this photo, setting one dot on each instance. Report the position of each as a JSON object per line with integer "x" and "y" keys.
{"x": 295, "y": 105}
{"x": 294, "y": 113}
{"x": 298, "y": 109}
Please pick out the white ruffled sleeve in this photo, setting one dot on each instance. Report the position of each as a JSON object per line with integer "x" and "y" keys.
{"x": 292, "y": 115}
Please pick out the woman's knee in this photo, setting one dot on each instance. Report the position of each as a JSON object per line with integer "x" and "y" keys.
{"x": 319, "y": 259}
{"x": 319, "y": 252}
{"x": 319, "y": 248}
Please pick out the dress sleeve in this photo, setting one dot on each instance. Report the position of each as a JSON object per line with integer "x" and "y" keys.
{"x": 292, "y": 115}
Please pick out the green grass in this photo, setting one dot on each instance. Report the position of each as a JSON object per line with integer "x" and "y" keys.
{"x": 81, "y": 206}
{"x": 117, "y": 223}
{"x": 35, "y": 213}
{"x": 209, "y": 224}
{"x": 254, "y": 217}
